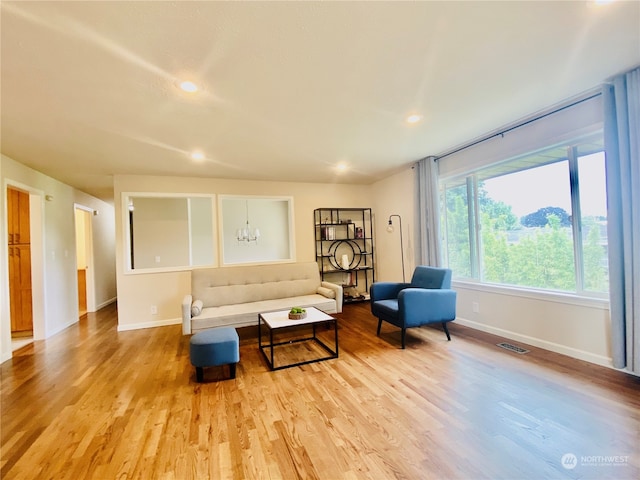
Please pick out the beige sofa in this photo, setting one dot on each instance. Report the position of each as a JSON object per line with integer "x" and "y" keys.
{"x": 235, "y": 295}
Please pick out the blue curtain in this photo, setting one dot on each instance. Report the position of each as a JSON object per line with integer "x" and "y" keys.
{"x": 428, "y": 212}
{"x": 622, "y": 145}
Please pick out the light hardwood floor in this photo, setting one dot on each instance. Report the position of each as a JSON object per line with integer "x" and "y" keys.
{"x": 93, "y": 403}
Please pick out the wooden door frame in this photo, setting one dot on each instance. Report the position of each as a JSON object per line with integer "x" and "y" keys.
{"x": 36, "y": 222}
{"x": 88, "y": 236}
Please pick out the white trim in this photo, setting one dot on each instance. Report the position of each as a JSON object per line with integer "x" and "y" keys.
{"x": 38, "y": 265}
{"x": 146, "y": 271}
{"x": 104, "y": 304}
{"x": 533, "y": 294}
{"x": 190, "y": 232}
{"x": 141, "y": 325}
{"x": 63, "y": 327}
{"x": 536, "y": 342}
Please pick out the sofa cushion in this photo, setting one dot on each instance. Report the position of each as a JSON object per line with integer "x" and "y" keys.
{"x": 239, "y": 285}
{"x": 326, "y": 292}
{"x": 245, "y": 314}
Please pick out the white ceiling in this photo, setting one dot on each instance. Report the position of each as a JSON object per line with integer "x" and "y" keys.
{"x": 290, "y": 89}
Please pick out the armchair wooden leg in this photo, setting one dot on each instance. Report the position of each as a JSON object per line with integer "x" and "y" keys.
{"x": 404, "y": 331}
{"x": 446, "y": 330}
{"x": 379, "y": 325}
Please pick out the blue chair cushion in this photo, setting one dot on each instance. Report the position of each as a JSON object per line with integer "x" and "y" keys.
{"x": 217, "y": 346}
{"x": 386, "y": 308}
{"x": 431, "y": 277}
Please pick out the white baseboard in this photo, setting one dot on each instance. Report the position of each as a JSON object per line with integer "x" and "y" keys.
{"x": 104, "y": 304}
{"x": 537, "y": 342}
{"x": 6, "y": 356}
{"x": 158, "y": 323}
{"x": 63, "y": 327}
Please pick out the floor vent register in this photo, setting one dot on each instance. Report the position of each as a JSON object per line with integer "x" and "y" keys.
{"x": 513, "y": 348}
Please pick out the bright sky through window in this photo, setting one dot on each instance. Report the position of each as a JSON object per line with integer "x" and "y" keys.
{"x": 521, "y": 190}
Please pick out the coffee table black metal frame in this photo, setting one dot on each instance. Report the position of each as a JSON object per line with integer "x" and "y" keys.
{"x": 276, "y": 321}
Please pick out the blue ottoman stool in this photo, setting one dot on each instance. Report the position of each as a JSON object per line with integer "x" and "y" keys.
{"x": 218, "y": 346}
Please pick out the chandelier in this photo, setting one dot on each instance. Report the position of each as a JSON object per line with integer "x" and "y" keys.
{"x": 247, "y": 234}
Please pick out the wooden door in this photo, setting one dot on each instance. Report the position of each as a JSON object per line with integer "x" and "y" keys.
{"x": 20, "y": 302}
{"x": 13, "y": 208}
{"x": 18, "y": 217}
{"x": 82, "y": 291}
{"x": 20, "y": 289}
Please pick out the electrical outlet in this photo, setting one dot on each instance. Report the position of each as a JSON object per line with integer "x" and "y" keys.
{"x": 154, "y": 310}
{"x": 475, "y": 306}
{"x": 157, "y": 258}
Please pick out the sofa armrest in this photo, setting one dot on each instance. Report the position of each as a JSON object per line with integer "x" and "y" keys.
{"x": 186, "y": 314}
{"x": 421, "y": 306}
{"x": 386, "y": 290}
{"x": 338, "y": 291}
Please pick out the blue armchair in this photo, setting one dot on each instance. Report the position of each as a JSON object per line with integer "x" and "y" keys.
{"x": 427, "y": 299}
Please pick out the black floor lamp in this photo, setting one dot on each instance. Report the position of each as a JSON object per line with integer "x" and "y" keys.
{"x": 390, "y": 230}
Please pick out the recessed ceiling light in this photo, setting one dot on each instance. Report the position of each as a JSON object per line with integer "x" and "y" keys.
{"x": 188, "y": 86}
{"x": 197, "y": 156}
{"x": 341, "y": 167}
{"x": 414, "y": 118}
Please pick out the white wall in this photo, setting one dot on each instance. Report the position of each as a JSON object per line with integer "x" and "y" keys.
{"x": 161, "y": 233}
{"x": 394, "y": 196}
{"x": 576, "y": 327}
{"x": 54, "y": 276}
{"x": 572, "y": 326}
{"x": 138, "y": 292}
{"x": 270, "y": 216}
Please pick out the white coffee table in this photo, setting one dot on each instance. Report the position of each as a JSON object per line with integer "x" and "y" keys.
{"x": 275, "y": 321}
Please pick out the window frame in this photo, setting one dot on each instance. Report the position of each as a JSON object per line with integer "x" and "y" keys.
{"x": 471, "y": 180}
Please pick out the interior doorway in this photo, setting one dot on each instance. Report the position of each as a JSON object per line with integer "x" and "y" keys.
{"x": 19, "y": 249}
{"x": 35, "y": 200}
{"x": 84, "y": 260}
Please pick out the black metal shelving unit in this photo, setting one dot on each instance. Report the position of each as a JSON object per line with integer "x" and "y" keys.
{"x": 344, "y": 249}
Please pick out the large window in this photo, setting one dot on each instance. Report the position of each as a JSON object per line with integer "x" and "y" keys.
{"x": 535, "y": 221}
